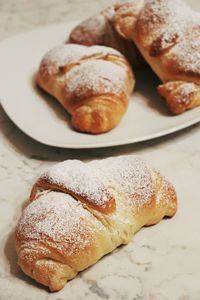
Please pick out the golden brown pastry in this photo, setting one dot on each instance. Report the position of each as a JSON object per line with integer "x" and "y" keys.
{"x": 167, "y": 33}
{"x": 92, "y": 83}
{"x": 99, "y": 30}
{"x": 78, "y": 212}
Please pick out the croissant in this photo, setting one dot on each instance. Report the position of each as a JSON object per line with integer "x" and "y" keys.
{"x": 167, "y": 33}
{"x": 99, "y": 30}
{"x": 92, "y": 83}
{"x": 78, "y": 212}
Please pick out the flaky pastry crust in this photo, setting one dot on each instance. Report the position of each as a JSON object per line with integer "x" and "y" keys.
{"x": 92, "y": 83}
{"x": 167, "y": 33}
{"x": 100, "y": 30}
{"x": 78, "y": 212}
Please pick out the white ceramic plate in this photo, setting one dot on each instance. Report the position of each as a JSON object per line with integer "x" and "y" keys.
{"x": 43, "y": 119}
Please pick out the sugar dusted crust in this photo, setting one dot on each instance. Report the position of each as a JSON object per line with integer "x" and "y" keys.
{"x": 92, "y": 83}
{"x": 171, "y": 28}
{"x": 68, "y": 224}
{"x": 55, "y": 216}
{"x": 68, "y": 54}
{"x": 95, "y": 76}
{"x": 90, "y": 182}
{"x": 180, "y": 96}
{"x": 78, "y": 179}
{"x": 167, "y": 33}
{"x": 100, "y": 30}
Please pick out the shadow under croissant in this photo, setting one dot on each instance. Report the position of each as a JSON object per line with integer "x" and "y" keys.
{"x": 147, "y": 83}
{"x": 11, "y": 255}
{"x": 15, "y": 270}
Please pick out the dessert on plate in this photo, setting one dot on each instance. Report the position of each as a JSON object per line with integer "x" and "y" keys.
{"x": 92, "y": 83}
{"x": 166, "y": 33}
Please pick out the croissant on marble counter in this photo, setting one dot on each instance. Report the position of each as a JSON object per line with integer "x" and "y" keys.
{"x": 92, "y": 83}
{"x": 78, "y": 212}
{"x": 167, "y": 33}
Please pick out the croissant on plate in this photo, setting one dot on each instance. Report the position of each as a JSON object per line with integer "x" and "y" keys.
{"x": 92, "y": 83}
{"x": 99, "y": 30}
{"x": 167, "y": 33}
{"x": 78, "y": 212}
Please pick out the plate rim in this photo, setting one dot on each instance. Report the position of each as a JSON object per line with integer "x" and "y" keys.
{"x": 100, "y": 144}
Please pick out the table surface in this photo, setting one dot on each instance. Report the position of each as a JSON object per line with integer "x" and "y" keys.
{"x": 162, "y": 261}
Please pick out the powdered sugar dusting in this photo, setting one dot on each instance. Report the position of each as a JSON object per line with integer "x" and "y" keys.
{"x": 94, "y": 30}
{"x": 62, "y": 55}
{"x": 130, "y": 175}
{"x": 165, "y": 16}
{"x": 59, "y": 218}
{"x": 174, "y": 22}
{"x": 90, "y": 31}
{"x": 102, "y": 50}
{"x": 78, "y": 177}
{"x": 186, "y": 54}
{"x": 183, "y": 94}
{"x": 188, "y": 88}
{"x": 66, "y": 54}
{"x": 166, "y": 194}
{"x": 96, "y": 76}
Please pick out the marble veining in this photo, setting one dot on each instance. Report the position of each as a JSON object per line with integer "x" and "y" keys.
{"x": 162, "y": 262}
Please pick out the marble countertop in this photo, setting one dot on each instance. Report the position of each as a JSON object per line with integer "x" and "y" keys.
{"x": 162, "y": 262}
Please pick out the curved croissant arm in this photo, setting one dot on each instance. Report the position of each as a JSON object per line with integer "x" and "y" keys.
{"x": 78, "y": 212}
{"x": 125, "y": 17}
{"x": 92, "y": 83}
{"x": 100, "y": 30}
{"x": 180, "y": 96}
{"x": 167, "y": 33}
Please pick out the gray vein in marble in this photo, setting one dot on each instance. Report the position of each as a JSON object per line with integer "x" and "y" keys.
{"x": 95, "y": 289}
